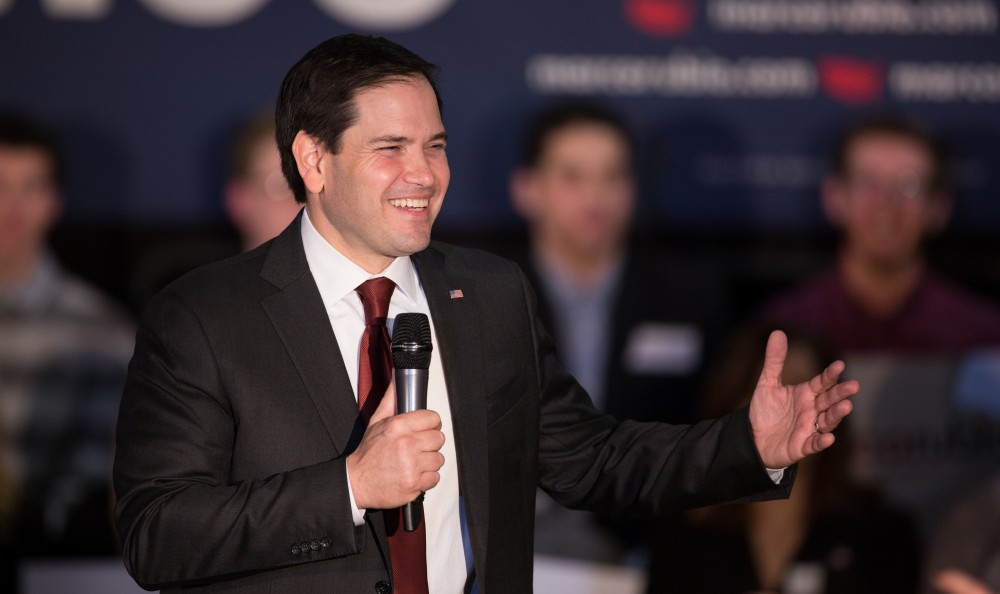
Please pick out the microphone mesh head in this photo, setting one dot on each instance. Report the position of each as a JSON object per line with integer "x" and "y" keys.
{"x": 411, "y": 341}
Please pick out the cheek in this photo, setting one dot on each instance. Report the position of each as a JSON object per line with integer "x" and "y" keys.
{"x": 40, "y": 212}
{"x": 908, "y": 215}
{"x": 860, "y": 213}
{"x": 380, "y": 180}
{"x": 374, "y": 177}
{"x": 931, "y": 222}
{"x": 25, "y": 221}
{"x": 568, "y": 193}
{"x": 619, "y": 200}
{"x": 564, "y": 205}
{"x": 442, "y": 172}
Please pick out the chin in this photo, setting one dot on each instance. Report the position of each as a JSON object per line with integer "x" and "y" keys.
{"x": 413, "y": 245}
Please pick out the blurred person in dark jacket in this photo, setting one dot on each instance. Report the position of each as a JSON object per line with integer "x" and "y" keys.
{"x": 622, "y": 311}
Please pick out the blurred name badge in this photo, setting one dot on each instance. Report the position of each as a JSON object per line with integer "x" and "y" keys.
{"x": 663, "y": 349}
{"x": 805, "y": 578}
{"x": 978, "y": 383}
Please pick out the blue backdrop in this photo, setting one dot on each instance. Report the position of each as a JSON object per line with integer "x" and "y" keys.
{"x": 734, "y": 101}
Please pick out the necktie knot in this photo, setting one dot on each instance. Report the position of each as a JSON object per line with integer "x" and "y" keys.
{"x": 375, "y": 358}
{"x": 375, "y": 295}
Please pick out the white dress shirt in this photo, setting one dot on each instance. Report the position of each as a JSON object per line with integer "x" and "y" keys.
{"x": 337, "y": 277}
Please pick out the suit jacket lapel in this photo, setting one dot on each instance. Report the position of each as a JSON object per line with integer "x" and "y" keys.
{"x": 300, "y": 318}
{"x": 455, "y": 324}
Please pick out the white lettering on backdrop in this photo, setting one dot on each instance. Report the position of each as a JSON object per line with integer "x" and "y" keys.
{"x": 394, "y": 15}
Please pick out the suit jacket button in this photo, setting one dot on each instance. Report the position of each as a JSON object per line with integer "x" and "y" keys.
{"x": 325, "y": 542}
{"x": 383, "y": 587}
{"x": 314, "y": 545}
{"x": 295, "y": 549}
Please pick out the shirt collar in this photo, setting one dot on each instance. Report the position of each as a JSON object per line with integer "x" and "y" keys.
{"x": 337, "y": 276}
{"x": 558, "y": 281}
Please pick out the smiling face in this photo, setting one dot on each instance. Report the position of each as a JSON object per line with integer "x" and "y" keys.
{"x": 377, "y": 197}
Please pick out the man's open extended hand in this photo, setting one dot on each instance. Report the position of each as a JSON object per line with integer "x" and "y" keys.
{"x": 792, "y": 422}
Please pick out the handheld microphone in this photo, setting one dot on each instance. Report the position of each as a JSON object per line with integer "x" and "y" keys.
{"x": 411, "y": 357}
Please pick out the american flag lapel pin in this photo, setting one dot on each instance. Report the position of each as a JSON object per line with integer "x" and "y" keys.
{"x": 455, "y": 294}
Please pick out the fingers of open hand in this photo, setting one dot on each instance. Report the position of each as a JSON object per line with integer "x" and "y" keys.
{"x": 818, "y": 442}
{"x": 828, "y": 378}
{"x": 829, "y": 419}
{"x": 774, "y": 358}
{"x": 838, "y": 393}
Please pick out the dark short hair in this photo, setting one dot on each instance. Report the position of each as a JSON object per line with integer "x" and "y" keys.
{"x": 21, "y": 131}
{"x": 317, "y": 95}
{"x": 561, "y": 115}
{"x": 902, "y": 126}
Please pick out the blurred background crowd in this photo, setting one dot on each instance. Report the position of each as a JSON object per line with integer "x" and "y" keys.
{"x": 676, "y": 178}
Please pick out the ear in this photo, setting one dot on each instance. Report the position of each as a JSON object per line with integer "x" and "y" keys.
{"x": 308, "y": 153}
{"x": 939, "y": 208}
{"x": 523, "y": 193}
{"x": 833, "y": 196}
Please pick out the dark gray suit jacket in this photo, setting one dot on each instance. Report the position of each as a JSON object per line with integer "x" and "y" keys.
{"x": 238, "y": 415}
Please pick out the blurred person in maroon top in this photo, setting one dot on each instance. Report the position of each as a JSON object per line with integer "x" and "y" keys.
{"x": 887, "y": 193}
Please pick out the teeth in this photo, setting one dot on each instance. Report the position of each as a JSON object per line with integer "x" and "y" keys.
{"x": 410, "y": 202}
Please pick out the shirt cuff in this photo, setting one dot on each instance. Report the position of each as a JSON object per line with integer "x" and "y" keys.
{"x": 776, "y": 475}
{"x": 358, "y": 514}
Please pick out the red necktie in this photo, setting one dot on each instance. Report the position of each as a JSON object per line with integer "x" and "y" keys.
{"x": 407, "y": 550}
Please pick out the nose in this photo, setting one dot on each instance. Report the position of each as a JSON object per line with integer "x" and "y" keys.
{"x": 418, "y": 170}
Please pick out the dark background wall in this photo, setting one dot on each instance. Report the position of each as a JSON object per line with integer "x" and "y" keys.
{"x": 734, "y": 103}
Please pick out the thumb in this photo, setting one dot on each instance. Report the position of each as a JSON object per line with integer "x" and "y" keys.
{"x": 774, "y": 358}
{"x": 387, "y": 407}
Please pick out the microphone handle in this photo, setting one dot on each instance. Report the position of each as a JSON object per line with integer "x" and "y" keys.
{"x": 411, "y": 390}
{"x": 413, "y": 513}
{"x": 411, "y": 395}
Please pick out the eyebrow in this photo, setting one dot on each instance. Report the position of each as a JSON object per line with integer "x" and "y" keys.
{"x": 402, "y": 139}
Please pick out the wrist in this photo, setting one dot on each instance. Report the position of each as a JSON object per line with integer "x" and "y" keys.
{"x": 357, "y": 511}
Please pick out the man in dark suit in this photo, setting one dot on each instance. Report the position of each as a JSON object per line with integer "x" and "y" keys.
{"x": 243, "y": 462}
